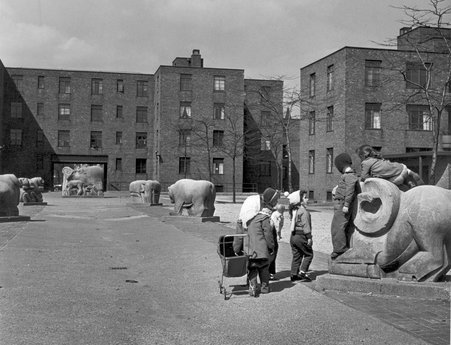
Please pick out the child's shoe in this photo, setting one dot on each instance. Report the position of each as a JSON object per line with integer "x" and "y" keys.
{"x": 265, "y": 288}
{"x": 304, "y": 277}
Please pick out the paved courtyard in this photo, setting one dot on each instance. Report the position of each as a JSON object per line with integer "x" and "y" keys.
{"x": 101, "y": 271}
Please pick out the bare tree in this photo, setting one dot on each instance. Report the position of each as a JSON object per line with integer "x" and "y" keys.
{"x": 434, "y": 89}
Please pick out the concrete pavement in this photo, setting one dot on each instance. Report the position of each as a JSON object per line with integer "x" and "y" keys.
{"x": 97, "y": 271}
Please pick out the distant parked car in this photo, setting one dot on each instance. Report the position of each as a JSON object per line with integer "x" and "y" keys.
{"x": 57, "y": 188}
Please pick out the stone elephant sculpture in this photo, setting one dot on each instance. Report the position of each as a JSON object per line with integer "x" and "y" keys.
{"x": 136, "y": 189}
{"x": 91, "y": 176}
{"x": 197, "y": 196}
{"x": 31, "y": 189}
{"x": 9, "y": 195}
{"x": 403, "y": 235}
{"x": 145, "y": 191}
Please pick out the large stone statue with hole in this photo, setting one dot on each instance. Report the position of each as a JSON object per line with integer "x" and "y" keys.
{"x": 83, "y": 181}
{"x": 403, "y": 235}
{"x": 31, "y": 191}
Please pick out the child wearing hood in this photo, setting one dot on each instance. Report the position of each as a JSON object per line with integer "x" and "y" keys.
{"x": 345, "y": 195}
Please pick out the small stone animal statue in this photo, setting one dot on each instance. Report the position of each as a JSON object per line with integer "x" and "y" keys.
{"x": 146, "y": 191}
{"x": 197, "y": 196}
{"x": 31, "y": 189}
{"x": 404, "y": 235}
{"x": 9, "y": 195}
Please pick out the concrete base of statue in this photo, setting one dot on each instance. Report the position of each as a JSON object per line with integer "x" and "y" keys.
{"x": 192, "y": 219}
{"x": 34, "y": 203}
{"x": 82, "y": 196}
{"x": 383, "y": 286}
{"x": 6, "y": 219}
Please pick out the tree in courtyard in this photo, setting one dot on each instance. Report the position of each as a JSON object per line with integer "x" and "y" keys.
{"x": 433, "y": 86}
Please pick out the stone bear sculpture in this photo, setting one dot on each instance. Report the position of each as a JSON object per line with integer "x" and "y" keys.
{"x": 197, "y": 196}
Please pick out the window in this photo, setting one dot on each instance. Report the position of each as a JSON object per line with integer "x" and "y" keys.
{"x": 311, "y": 195}
{"x": 15, "y": 138}
{"x": 41, "y": 83}
{"x": 184, "y": 165}
{"x": 185, "y": 110}
{"x": 218, "y": 166}
{"x": 416, "y": 75}
{"x": 16, "y": 110}
{"x": 18, "y": 81}
{"x": 141, "y": 114}
{"x": 329, "y": 119}
{"x": 39, "y": 162}
{"x": 186, "y": 82}
{"x": 64, "y": 85}
{"x": 311, "y": 122}
{"x": 40, "y": 109}
{"x": 265, "y": 93}
{"x": 39, "y": 138}
{"x": 63, "y": 138}
{"x": 96, "y": 86}
{"x": 141, "y": 140}
{"x": 329, "y": 195}
{"x": 312, "y": 84}
{"x": 184, "y": 137}
{"x": 372, "y": 115}
{"x": 120, "y": 86}
{"x": 96, "y": 140}
{"x": 265, "y": 168}
{"x": 63, "y": 111}
{"x": 219, "y": 83}
{"x": 218, "y": 138}
{"x": 329, "y": 160}
{"x": 265, "y": 145}
{"x": 141, "y": 88}
{"x": 119, "y": 112}
{"x": 330, "y": 78}
{"x": 141, "y": 165}
{"x": 419, "y": 118}
{"x": 219, "y": 111}
{"x": 118, "y": 164}
{"x": 96, "y": 113}
{"x": 372, "y": 73}
{"x": 265, "y": 117}
{"x": 118, "y": 138}
{"x": 311, "y": 162}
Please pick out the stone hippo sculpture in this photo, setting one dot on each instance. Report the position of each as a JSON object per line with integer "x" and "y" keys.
{"x": 197, "y": 196}
{"x": 9, "y": 195}
{"x": 31, "y": 189}
{"x": 404, "y": 235}
{"x": 146, "y": 191}
{"x": 90, "y": 176}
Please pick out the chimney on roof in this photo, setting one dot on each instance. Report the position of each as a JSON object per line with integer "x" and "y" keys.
{"x": 196, "y": 59}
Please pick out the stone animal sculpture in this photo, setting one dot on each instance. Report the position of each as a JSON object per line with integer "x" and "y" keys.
{"x": 90, "y": 176}
{"x": 31, "y": 189}
{"x": 403, "y": 235}
{"x": 9, "y": 195}
{"x": 146, "y": 191}
{"x": 197, "y": 196}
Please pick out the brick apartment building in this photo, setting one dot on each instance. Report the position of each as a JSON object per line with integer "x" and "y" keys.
{"x": 165, "y": 126}
{"x": 358, "y": 96}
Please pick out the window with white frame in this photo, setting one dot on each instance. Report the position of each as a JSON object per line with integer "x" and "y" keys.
{"x": 311, "y": 162}
{"x": 141, "y": 114}
{"x": 184, "y": 137}
{"x": 141, "y": 140}
{"x": 372, "y": 73}
{"x": 63, "y": 111}
{"x": 64, "y": 85}
{"x": 186, "y": 82}
{"x": 311, "y": 122}
{"x": 330, "y": 78}
{"x": 219, "y": 83}
{"x": 312, "y": 84}
{"x": 330, "y": 119}
{"x": 265, "y": 145}
{"x": 140, "y": 167}
{"x": 329, "y": 160}
{"x": 372, "y": 115}
{"x": 219, "y": 111}
{"x": 141, "y": 88}
{"x": 185, "y": 110}
{"x": 218, "y": 166}
{"x": 15, "y": 137}
{"x": 96, "y": 86}
{"x": 419, "y": 117}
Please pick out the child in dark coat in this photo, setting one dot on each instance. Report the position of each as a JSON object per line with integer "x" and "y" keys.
{"x": 345, "y": 195}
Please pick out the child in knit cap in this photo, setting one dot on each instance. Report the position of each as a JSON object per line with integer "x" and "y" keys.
{"x": 345, "y": 194}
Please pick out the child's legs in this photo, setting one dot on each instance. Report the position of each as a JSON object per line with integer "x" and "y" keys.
{"x": 297, "y": 254}
{"x": 308, "y": 256}
{"x": 338, "y": 229}
{"x": 272, "y": 265}
{"x": 263, "y": 272}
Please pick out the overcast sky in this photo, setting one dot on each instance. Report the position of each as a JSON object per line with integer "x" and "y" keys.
{"x": 266, "y": 38}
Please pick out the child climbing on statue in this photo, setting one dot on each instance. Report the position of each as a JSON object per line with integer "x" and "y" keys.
{"x": 374, "y": 165}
